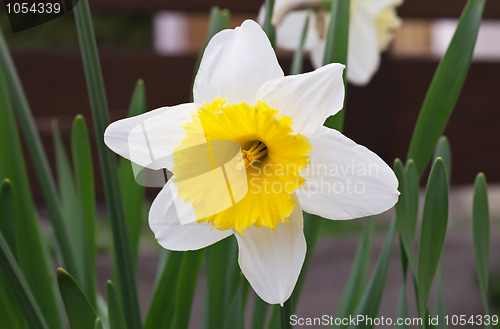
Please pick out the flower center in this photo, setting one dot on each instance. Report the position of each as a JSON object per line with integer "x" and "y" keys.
{"x": 239, "y": 165}
{"x": 386, "y": 23}
{"x": 257, "y": 151}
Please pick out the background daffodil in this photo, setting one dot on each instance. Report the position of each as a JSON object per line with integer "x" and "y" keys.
{"x": 372, "y": 24}
{"x": 290, "y": 162}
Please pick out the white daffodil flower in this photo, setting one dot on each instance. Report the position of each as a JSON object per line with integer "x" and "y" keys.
{"x": 249, "y": 120}
{"x": 372, "y": 24}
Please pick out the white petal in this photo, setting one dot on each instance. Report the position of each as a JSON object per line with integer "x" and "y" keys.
{"x": 307, "y": 98}
{"x": 345, "y": 180}
{"x": 150, "y": 138}
{"x": 165, "y": 217}
{"x": 363, "y": 55}
{"x": 235, "y": 64}
{"x": 271, "y": 260}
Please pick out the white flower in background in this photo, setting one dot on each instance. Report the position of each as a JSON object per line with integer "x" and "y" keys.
{"x": 290, "y": 162}
{"x": 371, "y": 29}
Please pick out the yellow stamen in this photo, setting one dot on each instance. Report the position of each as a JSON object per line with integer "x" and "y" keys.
{"x": 255, "y": 153}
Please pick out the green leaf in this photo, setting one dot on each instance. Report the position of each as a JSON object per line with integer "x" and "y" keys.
{"x": 245, "y": 289}
{"x": 116, "y": 319}
{"x": 234, "y": 275}
{"x": 6, "y": 215}
{"x": 84, "y": 179}
{"x": 98, "y": 324}
{"x": 406, "y": 217}
{"x": 164, "y": 297}
{"x": 337, "y": 40}
{"x": 412, "y": 194}
{"x": 235, "y": 314}
{"x": 337, "y": 37}
{"x": 298, "y": 56}
{"x": 370, "y": 302}
{"x": 67, "y": 190}
{"x": 443, "y": 151}
{"x": 268, "y": 27}
{"x": 358, "y": 275}
{"x": 10, "y": 313}
{"x": 446, "y": 85}
{"x": 403, "y": 222}
{"x": 434, "y": 222}
{"x": 285, "y": 313}
{"x": 260, "y": 310}
{"x": 481, "y": 233}
{"x": 133, "y": 193}
{"x": 439, "y": 304}
{"x": 274, "y": 320}
{"x": 217, "y": 292}
{"x": 99, "y": 108}
{"x": 189, "y": 271}
{"x": 80, "y": 313}
{"x": 40, "y": 163}
{"x": 19, "y": 287}
{"x": 31, "y": 251}
{"x": 138, "y": 102}
{"x": 102, "y": 311}
{"x": 69, "y": 203}
{"x": 402, "y": 312}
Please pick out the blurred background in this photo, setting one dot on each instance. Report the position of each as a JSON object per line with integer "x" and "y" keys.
{"x": 159, "y": 41}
